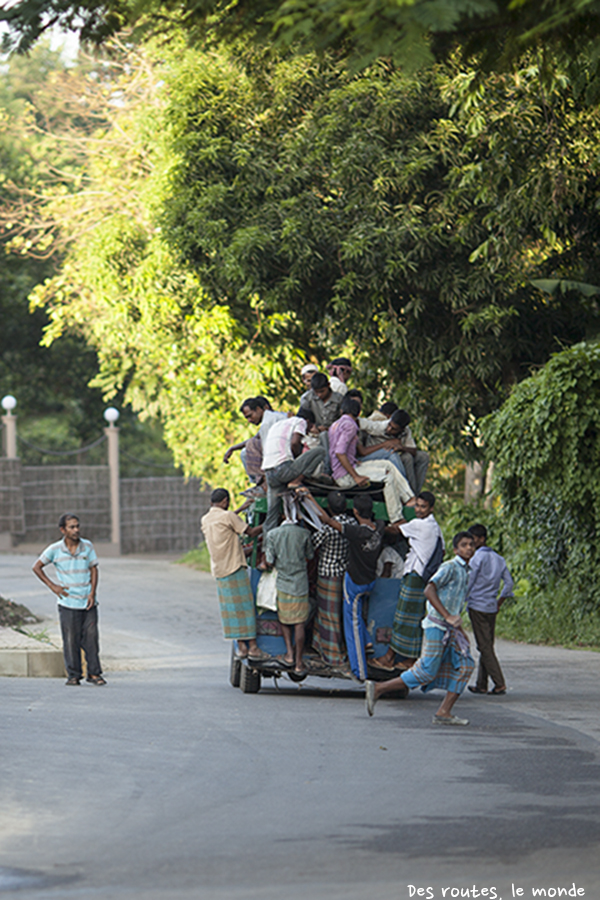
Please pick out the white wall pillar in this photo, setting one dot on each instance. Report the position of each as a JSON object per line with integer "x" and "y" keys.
{"x": 112, "y": 433}
{"x": 9, "y": 436}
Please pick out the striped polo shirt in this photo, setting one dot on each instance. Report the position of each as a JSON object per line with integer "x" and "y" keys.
{"x": 72, "y": 570}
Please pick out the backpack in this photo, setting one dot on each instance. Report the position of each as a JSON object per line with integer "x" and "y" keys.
{"x": 435, "y": 560}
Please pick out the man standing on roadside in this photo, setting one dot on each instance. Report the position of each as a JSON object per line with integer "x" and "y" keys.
{"x": 76, "y": 566}
{"x": 488, "y": 570}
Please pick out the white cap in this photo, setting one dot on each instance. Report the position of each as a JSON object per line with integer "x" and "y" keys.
{"x": 309, "y": 367}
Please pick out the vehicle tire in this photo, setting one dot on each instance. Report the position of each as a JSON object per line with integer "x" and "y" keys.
{"x": 295, "y": 676}
{"x": 234, "y": 669}
{"x": 249, "y": 680}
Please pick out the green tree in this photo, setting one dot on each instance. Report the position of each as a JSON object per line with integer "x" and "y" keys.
{"x": 48, "y": 382}
{"x": 403, "y": 216}
{"x": 247, "y": 209}
{"x": 173, "y": 353}
{"x": 411, "y": 33}
{"x": 545, "y": 442}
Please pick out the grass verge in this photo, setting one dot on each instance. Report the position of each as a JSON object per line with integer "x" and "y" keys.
{"x": 198, "y": 558}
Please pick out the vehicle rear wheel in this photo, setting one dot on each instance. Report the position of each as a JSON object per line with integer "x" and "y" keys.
{"x": 234, "y": 669}
{"x": 249, "y": 680}
{"x": 297, "y": 676}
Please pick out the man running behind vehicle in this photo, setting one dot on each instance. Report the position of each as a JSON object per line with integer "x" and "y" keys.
{"x": 445, "y": 661}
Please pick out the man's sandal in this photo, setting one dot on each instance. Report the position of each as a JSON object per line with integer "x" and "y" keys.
{"x": 95, "y": 679}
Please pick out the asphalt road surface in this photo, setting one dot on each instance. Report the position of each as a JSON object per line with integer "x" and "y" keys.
{"x": 169, "y": 783}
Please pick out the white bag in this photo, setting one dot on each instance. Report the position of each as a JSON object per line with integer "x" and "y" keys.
{"x": 266, "y": 592}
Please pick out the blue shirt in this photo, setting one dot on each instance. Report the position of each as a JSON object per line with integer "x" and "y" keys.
{"x": 488, "y": 569}
{"x": 451, "y": 581}
{"x": 72, "y": 570}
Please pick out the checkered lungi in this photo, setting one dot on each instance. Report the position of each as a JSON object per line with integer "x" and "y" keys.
{"x": 253, "y": 458}
{"x": 237, "y": 605}
{"x": 292, "y": 610}
{"x": 446, "y": 666}
{"x": 407, "y": 634}
{"x": 328, "y": 638}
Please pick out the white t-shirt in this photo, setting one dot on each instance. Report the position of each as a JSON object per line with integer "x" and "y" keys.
{"x": 422, "y": 536}
{"x": 336, "y": 384}
{"x": 270, "y": 416}
{"x": 278, "y": 447}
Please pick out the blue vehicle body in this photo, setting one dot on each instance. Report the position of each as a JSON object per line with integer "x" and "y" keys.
{"x": 381, "y": 609}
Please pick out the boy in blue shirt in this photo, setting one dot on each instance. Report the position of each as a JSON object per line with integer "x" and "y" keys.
{"x": 445, "y": 661}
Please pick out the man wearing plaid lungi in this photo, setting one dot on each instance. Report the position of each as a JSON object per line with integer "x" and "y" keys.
{"x": 222, "y": 529}
{"x": 328, "y": 638}
{"x": 445, "y": 660}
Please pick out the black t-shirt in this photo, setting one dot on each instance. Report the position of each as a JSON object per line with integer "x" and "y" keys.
{"x": 364, "y": 549}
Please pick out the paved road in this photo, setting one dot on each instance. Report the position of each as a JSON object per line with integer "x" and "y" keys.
{"x": 168, "y": 783}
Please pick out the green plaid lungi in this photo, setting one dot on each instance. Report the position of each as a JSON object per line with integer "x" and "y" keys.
{"x": 440, "y": 665}
{"x": 407, "y": 634}
{"x": 292, "y": 610}
{"x": 237, "y": 605}
{"x": 328, "y": 638}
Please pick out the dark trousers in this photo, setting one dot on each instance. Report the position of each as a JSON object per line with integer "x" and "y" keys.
{"x": 280, "y": 476}
{"x": 80, "y": 632}
{"x": 484, "y": 626}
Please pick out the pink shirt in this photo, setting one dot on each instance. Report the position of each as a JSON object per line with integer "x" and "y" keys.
{"x": 342, "y": 439}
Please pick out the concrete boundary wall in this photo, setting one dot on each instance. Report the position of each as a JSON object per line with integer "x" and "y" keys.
{"x": 161, "y": 515}
{"x": 12, "y": 508}
{"x": 50, "y": 491}
{"x": 158, "y": 514}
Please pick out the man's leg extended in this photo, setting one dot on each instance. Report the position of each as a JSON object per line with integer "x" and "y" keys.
{"x": 396, "y": 489}
{"x": 305, "y": 464}
{"x": 445, "y": 708}
{"x": 421, "y": 465}
{"x": 389, "y": 456}
{"x": 274, "y": 486}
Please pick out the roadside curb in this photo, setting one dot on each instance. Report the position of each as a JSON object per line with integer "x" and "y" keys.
{"x": 32, "y": 663}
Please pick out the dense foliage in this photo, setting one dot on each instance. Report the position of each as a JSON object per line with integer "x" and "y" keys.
{"x": 44, "y": 122}
{"x": 404, "y": 216}
{"x": 228, "y": 214}
{"x": 545, "y": 441}
{"x": 46, "y": 381}
{"x": 411, "y": 33}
